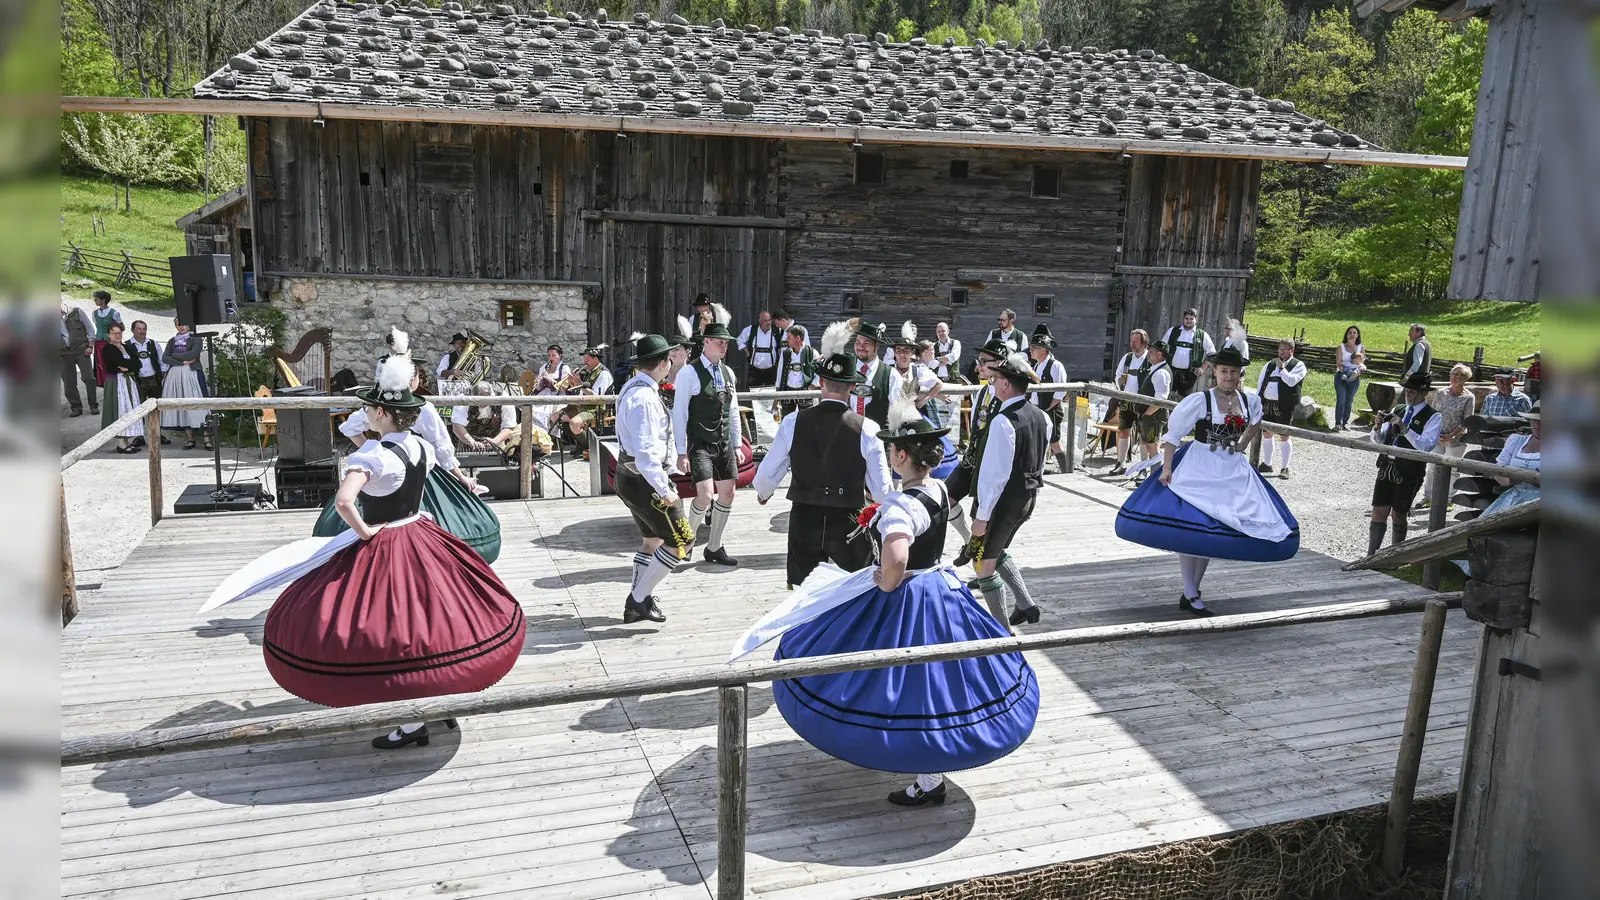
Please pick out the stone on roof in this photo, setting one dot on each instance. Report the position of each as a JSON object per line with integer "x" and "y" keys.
{"x": 452, "y": 57}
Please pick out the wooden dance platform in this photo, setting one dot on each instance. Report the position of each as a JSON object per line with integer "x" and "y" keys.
{"x": 1137, "y": 743}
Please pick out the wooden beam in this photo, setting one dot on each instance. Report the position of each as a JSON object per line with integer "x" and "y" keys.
{"x": 69, "y": 575}
{"x": 315, "y": 723}
{"x": 1438, "y": 506}
{"x": 580, "y": 122}
{"x": 617, "y": 215}
{"x": 103, "y": 436}
{"x": 1412, "y": 736}
{"x": 525, "y": 457}
{"x": 152, "y": 437}
{"x": 1449, "y": 542}
{"x": 1185, "y": 271}
{"x": 732, "y": 783}
{"x": 440, "y": 279}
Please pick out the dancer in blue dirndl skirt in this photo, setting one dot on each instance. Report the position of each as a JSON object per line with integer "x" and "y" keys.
{"x": 926, "y": 718}
{"x": 1209, "y": 502}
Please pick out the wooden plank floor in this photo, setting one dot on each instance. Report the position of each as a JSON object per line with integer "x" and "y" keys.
{"x": 1137, "y": 743}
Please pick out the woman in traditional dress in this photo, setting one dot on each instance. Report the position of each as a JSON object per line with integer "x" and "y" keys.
{"x": 449, "y": 497}
{"x": 103, "y": 317}
{"x": 396, "y": 608}
{"x": 183, "y": 380}
{"x": 1520, "y": 452}
{"x": 926, "y": 718}
{"x": 121, "y": 391}
{"x": 1209, "y": 503}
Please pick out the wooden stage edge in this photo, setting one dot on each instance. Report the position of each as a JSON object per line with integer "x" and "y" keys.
{"x": 1137, "y": 744}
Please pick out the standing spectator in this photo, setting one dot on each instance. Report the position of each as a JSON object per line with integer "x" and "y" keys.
{"x": 1049, "y": 370}
{"x": 1454, "y": 403}
{"x": 104, "y": 317}
{"x": 947, "y": 365}
{"x": 782, "y": 321}
{"x": 1347, "y": 369}
{"x": 1154, "y": 380}
{"x": 1415, "y": 424}
{"x": 1279, "y": 388}
{"x": 122, "y": 394}
{"x": 937, "y": 410}
{"x": 797, "y": 370}
{"x": 1188, "y": 348}
{"x": 147, "y": 354}
{"x": 1131, "y": 371}
{"x": 77, "y": 360}
{"x": 1008, "y": 334}
{"x": 1506, "y": 401}
{"x": 759, "y": 343}
{"x": 183, "y": 380}
{"x": 1419, "y": 356}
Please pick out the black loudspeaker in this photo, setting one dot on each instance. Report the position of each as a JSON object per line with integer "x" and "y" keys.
{"x": 305, "y": 487}
{"x": 304, "y": 435}
{"x": 203, "y": 288}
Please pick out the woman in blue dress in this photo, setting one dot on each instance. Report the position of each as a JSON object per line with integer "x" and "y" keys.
{"x": 1209, "y": 502}
{"x": 926, "y": 718}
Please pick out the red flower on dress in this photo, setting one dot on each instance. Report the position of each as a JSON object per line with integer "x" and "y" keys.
{"x": 1234, "y": 420}
{"x": 865, "y": 517}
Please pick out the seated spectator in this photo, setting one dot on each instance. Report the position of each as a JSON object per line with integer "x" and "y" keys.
{"x": 1506, "y": 401}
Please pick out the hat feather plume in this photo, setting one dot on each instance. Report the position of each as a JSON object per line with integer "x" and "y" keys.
{"x": 1236, "y": 333}
{"x": 837, "y": 338}
{"x": 684, "y": 331}
{"x": 909, "y": 330}
{"x": 903, "y": 407}
{"x": 635, "y": 336}
{"x": 720, "y": 314}
{"x": 395, "y": 372}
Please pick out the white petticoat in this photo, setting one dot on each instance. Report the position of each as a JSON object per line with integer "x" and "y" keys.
{"x": 280, "y": 566}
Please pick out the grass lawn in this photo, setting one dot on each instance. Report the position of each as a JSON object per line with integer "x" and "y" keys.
{"x": 149, "y": 230}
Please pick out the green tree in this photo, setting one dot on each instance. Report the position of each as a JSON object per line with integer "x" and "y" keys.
{"x": 954, "y": 32}
{"x": 129, "y": 149}
{"x": 1412, "y": 49}
{"x": 1327, "y": 74}
{"x": 904, "y": 30}
{"x": 1005, "y": 25}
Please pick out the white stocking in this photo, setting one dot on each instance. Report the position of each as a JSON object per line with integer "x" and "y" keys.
{"x": 1287, "y": 446}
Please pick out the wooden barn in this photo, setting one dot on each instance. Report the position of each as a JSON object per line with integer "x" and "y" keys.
{"x": 540, "y": 177}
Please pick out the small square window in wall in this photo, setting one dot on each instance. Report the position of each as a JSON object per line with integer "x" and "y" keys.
{"x": 869, "y": 168}
{"x": 513, "y": 313}
{"x": 1047, "y": 182}
{"x": 852, "y": 301}
{"x": 958, "y": 296}
{"x": 1043, "y": 304}
{"x": 958, "y": 169}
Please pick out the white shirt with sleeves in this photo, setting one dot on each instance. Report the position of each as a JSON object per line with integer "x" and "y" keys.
{"x": 385, "y": 471}
{"x": 950, "y": 351}
{"x": 603, "y": 380}
{"x": 460, "y": 415}
{"x": 999, "y": 455}
{"x": 444, "y": 364}
{"x": 687, "y": 385}
{"x": 921, "y": 375}
{"x": 1127, "y": 366}
{"x": 760, "y": 346}
{"x": 776, "y": 464}
{"x": 1161, "y": 381}
{"x": 1511, "y": 454}
{"x": 903, "y": 513}
{"x": 645, "y": 432}
{"x": 1179, "y": 356}
{"x": 430, "y": 427}
{"x": 1192, "y": 408}
{"x": 1051, "y": 371}
{"x": 1426, "y": 441}
{"x": 1290, "y": 374}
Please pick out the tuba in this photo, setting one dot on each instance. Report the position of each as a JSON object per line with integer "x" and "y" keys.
{"x": 474, "y": 364}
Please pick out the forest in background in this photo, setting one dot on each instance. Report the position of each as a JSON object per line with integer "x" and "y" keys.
{"x": 1406, "y": 83}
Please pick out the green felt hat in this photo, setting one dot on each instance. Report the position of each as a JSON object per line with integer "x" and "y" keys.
{"x": 401, "y": 398}
{"x": 650, "y": 348}
{"x": 916, "y": 431}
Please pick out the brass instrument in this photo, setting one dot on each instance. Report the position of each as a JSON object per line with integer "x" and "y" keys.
{"x": 473, "y": 364}
{"x": 572, "y": 382}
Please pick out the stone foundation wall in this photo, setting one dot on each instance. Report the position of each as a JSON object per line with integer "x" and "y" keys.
{"x": 360, "y": 311}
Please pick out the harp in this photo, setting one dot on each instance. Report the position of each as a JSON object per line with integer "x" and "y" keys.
{"x": 310, "y": 363}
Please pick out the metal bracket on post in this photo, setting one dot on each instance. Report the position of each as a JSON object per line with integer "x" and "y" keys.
{"x": 732, "y": 751}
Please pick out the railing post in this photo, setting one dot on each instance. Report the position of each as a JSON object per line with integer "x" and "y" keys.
{"x": 525, "y": 454}
{"x": 1071, "y": 431}
{"x": 596, "y": 477}
{"x": 1255, "y": 449}
{"x": 1416, "y": 729}
{"x": 69, "y": 575}
{"x": 152, "y": 439}
{"x": 732, "y": 750}
{"x": 1439, "y": 500}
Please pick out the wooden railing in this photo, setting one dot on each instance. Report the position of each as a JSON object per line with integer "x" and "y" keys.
{"x": 119, "y": 269}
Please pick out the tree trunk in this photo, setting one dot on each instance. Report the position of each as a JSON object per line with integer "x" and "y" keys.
{"x": 127, "y": 196}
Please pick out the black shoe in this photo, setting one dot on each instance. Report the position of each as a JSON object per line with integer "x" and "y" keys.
{"x": 1264, "y": 468}
{"x": 719, "y": 556}
{"x": 139, "y": 442}
{"x": 1029, "y": 615}
{"x": 635, "y": 611}
{"x": 165, "y": 439}
{"x": 918, "y": 796}
{"x": 1187, "y": 605}
{"x": 961, "y": 558}
{"x": 451, "y": 724}
{"x": 1118, "y": 469}
{"x": 94, "y": 410}
{"x": 75, "y": 413}
{"x": 387, "y": 742}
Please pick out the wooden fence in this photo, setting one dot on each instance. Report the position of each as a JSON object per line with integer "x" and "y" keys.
{"x": 120, "y": 268}
{"x": 1387, "y": 363}
{"x": 1268, "y": 289}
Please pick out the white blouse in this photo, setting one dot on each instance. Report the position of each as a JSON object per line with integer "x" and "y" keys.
{"x": 903, "y": 513}
{"x": 430, "y": 426}
{"x": 1192, "y": 408}
{"x": 1511, "y": 454}
{"x": 385, "y": 472}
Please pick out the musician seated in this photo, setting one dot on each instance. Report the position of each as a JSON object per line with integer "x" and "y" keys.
{"x": 488, "y": 427}
{"x": 555, "y": 376}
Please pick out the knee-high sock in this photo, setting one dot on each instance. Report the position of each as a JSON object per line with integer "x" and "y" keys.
{"x": 1375, "y": 532}
{"x": 958, "y": 519}
{"x": 1266, "y": 450}
{"x": 1287, "y": 446}
{"x": 719, "y": 522}
{"x": 1122, "y": 448}
{"x": 697, "y": 514}
{"x": 662, "y": 563}
{"x": 1400, "y": 526}
{"x": 641, "y": 561}
{"x": 994, "y": 594}
{"x": 1012, "y": 576}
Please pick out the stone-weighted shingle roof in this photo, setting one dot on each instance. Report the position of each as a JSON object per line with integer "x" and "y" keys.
{"x": 494, "y": 59}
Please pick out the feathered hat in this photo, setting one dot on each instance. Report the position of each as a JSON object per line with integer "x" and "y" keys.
{"x": 872, "y": 331}
{"x": 647, "y": 348}
{"x": 1042, "y": 336}
{"x": 1015, "y": 366}
{"x": 393, "y": 389}
{"x": 595, "y": 351}
{"x": 685, "y": 335}
{"x": 719, "y": 323}
{"x": 908, "y": 335}
{"x": 905, "y": 424}
{"x": 836, "y": 362}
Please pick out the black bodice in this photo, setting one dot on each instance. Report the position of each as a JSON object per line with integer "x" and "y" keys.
{"x": 927, "y": 548}
{"x": 1221, "y": 434}
{"x": 406, "y": 500}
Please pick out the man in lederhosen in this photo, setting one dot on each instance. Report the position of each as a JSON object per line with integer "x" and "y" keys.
{"x": 1415, "y": 425}
{"x": 706, "y": 431}
{"x": 1009, "y": 474}
{"x": 644, "y": 480}
{"x": 960, "y": 484}
{"x": 834, "y": 457}
{"x": 797, "y": 369}
{"x": 1049, "y": 370}
{"x": 1188, "y": 348}
{"x": 1279, "y": 387}
{"x": 871, "y": 394}
{"x": 759, "y": 343}
{"x": 1129, "y": 370}
{"x": 1154, "y": 380}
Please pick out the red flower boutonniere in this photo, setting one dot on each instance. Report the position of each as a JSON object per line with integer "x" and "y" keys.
{"x": 1234, "y": 421}
{"x": 865, "y": 517}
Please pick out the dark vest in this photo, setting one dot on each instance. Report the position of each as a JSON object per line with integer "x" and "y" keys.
{"x": 1197, "y": 346}
{"x": 1045, "y": 398}
{"x": 403, "y": 502}
{"x": 826, "y": 467}
{"x": 927, "y": 548}
{"x": 788, "y": 362}
{"x": 77, "y": 332}
{"x": 1032, "y": 429}
{"x": 1288, "y": 395}
{"x": 984, "y": 404}
{"x": 708, "y": 410}
{"x": 1137, "y": 373}
{"x": 1147, "y": 378}
{"x": 878, "y": 406}
{"x": 1409, "y": 467}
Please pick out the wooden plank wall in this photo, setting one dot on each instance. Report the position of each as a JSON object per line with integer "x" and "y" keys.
{"x": 1188, "y": 213}
{"x": 1497, "y": 233}
{"x": 908, "y": 241}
